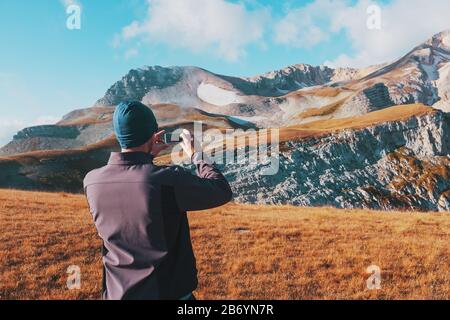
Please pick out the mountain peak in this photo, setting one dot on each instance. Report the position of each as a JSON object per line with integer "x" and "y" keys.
{"x": 440, "y": 40}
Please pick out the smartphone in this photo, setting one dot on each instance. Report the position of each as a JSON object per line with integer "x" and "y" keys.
{"x": 171, "y": 138}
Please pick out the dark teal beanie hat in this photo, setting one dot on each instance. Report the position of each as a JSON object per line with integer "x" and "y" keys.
{"x": 134, "y": 124}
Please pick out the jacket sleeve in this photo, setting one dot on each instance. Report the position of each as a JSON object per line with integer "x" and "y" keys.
{"x": 209, "y": 189}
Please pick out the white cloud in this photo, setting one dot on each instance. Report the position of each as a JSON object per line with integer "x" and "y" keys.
{"x": 217, "y": 26}
{"x": 404, "y": 24}
{"x": 130, "y": 53}
{"x": 303, "y": 27}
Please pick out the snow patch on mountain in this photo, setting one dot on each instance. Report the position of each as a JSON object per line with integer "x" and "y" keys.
{"x": 443, "y": 86}
{"x": 212, "y": 94}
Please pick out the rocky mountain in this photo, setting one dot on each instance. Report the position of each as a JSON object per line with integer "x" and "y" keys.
{"x": 253, "y": 99}
{"x": 389, "y": 161}
{"x": 149, "y": 83}
{"x": 420, "y": 76}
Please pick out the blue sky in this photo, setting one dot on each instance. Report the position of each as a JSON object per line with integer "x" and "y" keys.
{"x": 47, "y": 70}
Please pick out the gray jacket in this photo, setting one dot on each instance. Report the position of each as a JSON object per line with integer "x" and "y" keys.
{"x": 139, "y": 210}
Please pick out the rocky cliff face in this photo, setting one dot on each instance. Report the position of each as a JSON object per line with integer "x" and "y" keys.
{"x": 67, "y": 132}
{"x": 397, "y": 165}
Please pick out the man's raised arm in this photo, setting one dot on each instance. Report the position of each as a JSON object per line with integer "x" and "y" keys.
{"x": 209, "y": 189}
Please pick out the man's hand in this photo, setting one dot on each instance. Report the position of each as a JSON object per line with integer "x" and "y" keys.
{"x": 158, "y": 144}
{"x": 188, "y": 144}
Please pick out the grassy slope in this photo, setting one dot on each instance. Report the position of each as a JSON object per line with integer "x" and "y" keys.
{"x": 316, "y": 128}
{"x": 321, "y": 127}
{"x": 396, "y": 113}
{"x": 164, "y": 112}
{"x": 283, "y": 253}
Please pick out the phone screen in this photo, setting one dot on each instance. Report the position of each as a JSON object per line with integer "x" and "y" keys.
{"x": 170, "y": 138}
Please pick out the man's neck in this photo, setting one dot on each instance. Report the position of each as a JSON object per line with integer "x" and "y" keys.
{"x": 144, "y": 150}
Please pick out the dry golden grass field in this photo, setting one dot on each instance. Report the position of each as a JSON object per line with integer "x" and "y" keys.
{"x": 248, "y": 252}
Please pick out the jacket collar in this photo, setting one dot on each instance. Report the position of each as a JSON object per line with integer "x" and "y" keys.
{"x": 130, "y": 158}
